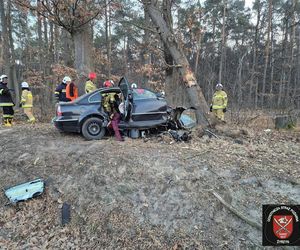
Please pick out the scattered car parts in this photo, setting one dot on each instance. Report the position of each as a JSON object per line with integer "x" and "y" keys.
{"x": 25, "y": 191}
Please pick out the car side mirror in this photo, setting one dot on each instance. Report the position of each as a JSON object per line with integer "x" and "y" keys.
{"x": 160, "y": 94}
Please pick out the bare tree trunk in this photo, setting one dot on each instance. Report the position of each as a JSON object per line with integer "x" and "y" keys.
{"x": 51, "y": 44}
{"x": 145, "y": 53}
{"x": 5, "y": 38}
{"x": 40, "y": 40}
{"x": 125, "y": 55}
{"x": 194, "y": 91}
{"x": 267, "y": 53}
{"x": 283, "y": 71}
{"x": 292, "y": 52}
{"x": 13, "y": 72}
{"x": 297, "y": 80}
{"x": 223, "y": 41}
{"x": 67, "y": 44}
{"x": 254, "y": 84}
{"x": 56, "y": 43}
{"x": 46, "y": 47}
{"x": 108, "y": 36}
{"x": 167, "y": 15}
{"x": 83, "y": 53}
{"x": 272, "y": 59}
{"x": 199, "y": 43}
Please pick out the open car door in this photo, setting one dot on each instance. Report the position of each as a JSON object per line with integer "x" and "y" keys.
{"x": 124, "y": 87}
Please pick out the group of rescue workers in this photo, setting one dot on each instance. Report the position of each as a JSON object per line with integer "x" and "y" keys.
{"x": 7, "y": 103}
{"x": 67, "y": 91}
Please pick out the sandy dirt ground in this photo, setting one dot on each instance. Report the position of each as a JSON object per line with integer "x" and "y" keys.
{"x": 153, "y": 194}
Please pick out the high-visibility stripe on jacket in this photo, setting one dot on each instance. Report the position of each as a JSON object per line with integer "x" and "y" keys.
{"x": 219, "y": 100}
{"x": 26, "y": 99}
{"x": 5, "y": 96}
{"x": 89, "y": 86}
{"x": 60, "y": 93}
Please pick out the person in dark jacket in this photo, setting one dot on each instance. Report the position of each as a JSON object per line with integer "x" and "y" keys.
{"x": 60, "y": 91}
{"x": 6, "y": 102}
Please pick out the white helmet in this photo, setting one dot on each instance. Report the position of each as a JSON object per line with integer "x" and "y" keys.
{"x": 24, "y": 85}
{"x": 219, "y": 86}
{"x": 2, "y": 77}
{"x": 133, "y": 85}
{"x": 66, "y": 79}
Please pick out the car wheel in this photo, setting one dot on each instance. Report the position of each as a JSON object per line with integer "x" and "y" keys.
{"x": 92, "y": 129}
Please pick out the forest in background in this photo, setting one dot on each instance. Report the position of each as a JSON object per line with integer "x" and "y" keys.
{"x": 254, "y": 52}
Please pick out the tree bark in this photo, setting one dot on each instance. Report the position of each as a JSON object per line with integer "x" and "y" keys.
{"x": 223, "y": 41}
{"x": 9, "y": 51}
{"x": 167, "y": 15}
{"x": 67, "y": 44}
{"x": 254, "y": 84}
{"x": 267, "y": 52}
{"x": 83, "y": 54}
{"x": 46, "y": 47}
{"x": 57, "y": 34}
{"x": 108, "y": 37}
{"x": 194, "y": 91}
{"x": 51, "y": 43}
{"x": 292, "y": 53}
{"x": 40, "y": 40}
{"x": 145, "y": 53}
{"x": 5, "y": 39}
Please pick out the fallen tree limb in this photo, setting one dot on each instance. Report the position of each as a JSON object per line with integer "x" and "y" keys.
{"x": 211, "y": 133}
{"x": 237, "y": 213}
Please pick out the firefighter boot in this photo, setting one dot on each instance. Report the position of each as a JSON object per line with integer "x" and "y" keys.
{"x": 7, "y": 123}
{"x": 10, "y": 120}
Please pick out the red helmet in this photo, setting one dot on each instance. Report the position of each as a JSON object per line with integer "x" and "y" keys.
{"x": 92, "y": 75}
{"x": 108, "y": 84}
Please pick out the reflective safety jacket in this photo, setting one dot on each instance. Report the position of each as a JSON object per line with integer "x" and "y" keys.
{"x": 110, "y": 103}
{"x": 89, "y": 86}
{"x": 219, "y": 100}
{"x": 26, "y": 98}
{"x": 71, "y": 91}
{"x": 5, "y": 96}
{"x": 60, "y": 93}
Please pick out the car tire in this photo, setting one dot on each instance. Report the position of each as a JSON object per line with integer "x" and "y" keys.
{"x": 92, "y": 129}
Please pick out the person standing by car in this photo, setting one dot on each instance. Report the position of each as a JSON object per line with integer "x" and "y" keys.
{"x": 90, "y": 85}
{"x": 27, "y": 101}
{"x": 60, "y": 91}
{"x": 6, "y": 102}
{"x": 111, "y": 106}
{"x": 219, "y": 102}
{"x": 72, "y": 91}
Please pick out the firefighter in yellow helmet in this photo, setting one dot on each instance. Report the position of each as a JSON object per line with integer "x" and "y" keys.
{"x": 90, "y": 85}
{"x": 27, "y": 101}
{"x": 219, "y": 102}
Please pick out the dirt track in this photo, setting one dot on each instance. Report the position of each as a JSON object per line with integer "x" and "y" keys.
{"x": 140, "y": 194}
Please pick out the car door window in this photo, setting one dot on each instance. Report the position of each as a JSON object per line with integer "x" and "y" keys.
{"x": 139, "y": 94}
{"x": 95, "y": 98}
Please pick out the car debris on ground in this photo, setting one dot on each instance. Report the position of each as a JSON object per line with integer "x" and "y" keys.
{"x": 25, "y": 191}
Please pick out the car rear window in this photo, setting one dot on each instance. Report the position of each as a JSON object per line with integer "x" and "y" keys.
{"x": 143, "y": 94}
{"x": 96, "y": 97}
